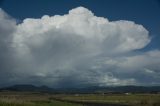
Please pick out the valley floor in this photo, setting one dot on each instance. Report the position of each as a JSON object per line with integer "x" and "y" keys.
{"x": 46, "y": 99}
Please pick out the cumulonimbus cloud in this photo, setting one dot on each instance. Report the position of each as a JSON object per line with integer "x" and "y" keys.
{"x": 70, "y": 49}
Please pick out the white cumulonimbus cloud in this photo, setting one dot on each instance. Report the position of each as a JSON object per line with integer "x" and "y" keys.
{"x": 75, "y": 49}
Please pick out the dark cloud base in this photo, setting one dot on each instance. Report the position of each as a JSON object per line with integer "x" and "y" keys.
{"x": 75, "y": 50}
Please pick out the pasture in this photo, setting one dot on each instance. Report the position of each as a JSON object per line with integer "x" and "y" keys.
{"x": 47, "y": 99}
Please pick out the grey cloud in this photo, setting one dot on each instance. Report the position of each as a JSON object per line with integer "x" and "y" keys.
{"x": 75, "y": 49}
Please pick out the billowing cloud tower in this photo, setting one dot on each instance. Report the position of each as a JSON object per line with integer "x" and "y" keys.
{"x": 75, "y": 49}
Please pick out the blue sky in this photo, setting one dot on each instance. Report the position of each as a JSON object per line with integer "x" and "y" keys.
{"x": 72, "y": 43}
{"x": 145, "y": 12}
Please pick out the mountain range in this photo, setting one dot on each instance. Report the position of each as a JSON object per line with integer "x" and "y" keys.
{"x": 92, "y": 89}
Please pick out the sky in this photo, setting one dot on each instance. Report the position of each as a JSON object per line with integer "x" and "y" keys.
{"x": 80, "y": 43}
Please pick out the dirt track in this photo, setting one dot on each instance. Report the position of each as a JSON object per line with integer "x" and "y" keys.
{"x": 100, "y": 104}
{"x": 88, "y": 103}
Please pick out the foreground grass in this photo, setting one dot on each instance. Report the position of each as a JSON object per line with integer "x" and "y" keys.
{"x": 29, "y": 99}
{"x": 131, "y": 99}
{"x": 43, "y": 99}
{"x": 38, "y": 103}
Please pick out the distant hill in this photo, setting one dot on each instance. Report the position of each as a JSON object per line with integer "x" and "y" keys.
{"x": 27, "y": 88}
{"x": 123, "y": 89}
{"x": 113, "y": 89}
{"x": 92, "y": 89}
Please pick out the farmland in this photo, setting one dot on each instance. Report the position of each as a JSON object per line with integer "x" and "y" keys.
{"x": 47, "y": 99}
{"x": 30, "y": 99}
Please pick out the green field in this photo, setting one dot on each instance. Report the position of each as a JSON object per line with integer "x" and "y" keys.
{"x": 30, "y": 99}
{"x": 44, "y": 99}
{"x": 130, "y": 99}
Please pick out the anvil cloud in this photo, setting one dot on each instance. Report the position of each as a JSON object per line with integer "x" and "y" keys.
{"x": 75, "y": 49}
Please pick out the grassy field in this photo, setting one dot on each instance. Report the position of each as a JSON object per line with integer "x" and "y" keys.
{"x": 30, "y": 99}
{"x": 129, "y": 99}
{"x": 44, "y": 99}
